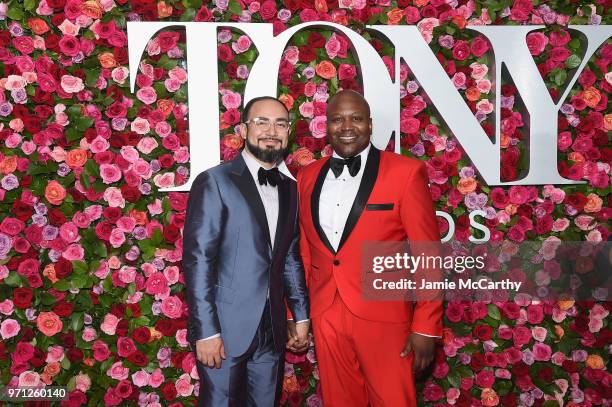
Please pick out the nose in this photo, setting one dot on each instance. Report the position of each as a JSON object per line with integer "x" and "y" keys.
{"x": 347, "y": 124}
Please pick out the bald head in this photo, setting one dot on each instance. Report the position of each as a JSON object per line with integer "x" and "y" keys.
{"x": 348, "y": 95}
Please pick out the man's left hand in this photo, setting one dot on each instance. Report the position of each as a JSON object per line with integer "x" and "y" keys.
{"x": 423, "y": 347}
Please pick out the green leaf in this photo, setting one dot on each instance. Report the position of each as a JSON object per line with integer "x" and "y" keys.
{"x": 79, "y": 267}
{"x": 92, "y": 168}
{"x": 454, "y": 378}
{"x": 494, "y": 312}
{"x": 48, "y": 168}
{"x": 235, "y": 7}
{"x": 72, "y": 134}
{"x": 195, "y": 4}
{"x": 560, "y": 77}
{"x": 79, "y": 281}
{"x": 77, "y": 321}
{"x": 188, "y": 15}
{"x": 13, "y": 279}
{"x": 84, "y": 178}
{"x": 29, "y": 4}
{"x": 83, "y": 123}
{"x": 15, "y": 12}
{"x": 573, "y": 61}
{"x": 62, "y": 285}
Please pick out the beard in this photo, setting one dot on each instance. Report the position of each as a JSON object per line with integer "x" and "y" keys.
{"x": 267, "y": 155}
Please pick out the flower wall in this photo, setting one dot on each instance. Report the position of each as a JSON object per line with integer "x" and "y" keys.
{"x": 91, "y": 289}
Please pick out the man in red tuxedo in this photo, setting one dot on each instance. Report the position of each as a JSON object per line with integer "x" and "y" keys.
{"x": 368, "y": 351}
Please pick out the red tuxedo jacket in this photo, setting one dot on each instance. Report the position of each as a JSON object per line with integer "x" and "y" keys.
{"x": 387, "y": 178}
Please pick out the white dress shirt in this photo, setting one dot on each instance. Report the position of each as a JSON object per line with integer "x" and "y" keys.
{"x": 336, "y": 201}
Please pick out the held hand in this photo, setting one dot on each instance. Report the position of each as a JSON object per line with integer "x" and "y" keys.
{"x": 292, "y": 336}
{"x": 302, "y": 333}
{"x": 210, "y": 352}
{"x": 423, "y": 347}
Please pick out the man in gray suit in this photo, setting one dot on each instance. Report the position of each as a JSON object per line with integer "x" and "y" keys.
{"x": 242, "y": 265}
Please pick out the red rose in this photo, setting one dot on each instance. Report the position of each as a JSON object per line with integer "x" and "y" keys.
{"x": 125, "y": 347}
{"x": 316, "y": 40}
{"x": 141, "y": 335}
{"x": 178, "y": 200}
{"x": 166, "y": 327}
{"x": 224, "y": 53}
{"x": 454, "y": 312}
{"x": 461, "y": 50}
{"x": 307, "y": 54}
{"x": 74, "y": 354}
{"x": 559, "y": 54}
{"x": 231, "y": 116}
{"x": 203, "y": 14}
{"x": 103, "y": 230}
{"x": 511, "y": 310}
{"x": 177, "y": 359}
{"x": 267, "y": 10}
{"x": 63, "y": 268}
{"x": 477, "y": 362}
{"x": 122, "y": 327}
{"x": 63, "y": 309}
{"x": 39, "y": 357}
{"x": 480, "y": 46}
{"x": 22, "y": 297}
{"x": 69, "y": 45}
{"x": 483, "y": 332}
{"x": 168, "y": 391}
{"x": 166, "y": 161}
{"x": 130, "y": 193}
{"x": 167, "y": 40}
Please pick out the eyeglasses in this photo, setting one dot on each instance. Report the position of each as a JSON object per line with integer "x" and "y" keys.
{"x": 263, "y": 124}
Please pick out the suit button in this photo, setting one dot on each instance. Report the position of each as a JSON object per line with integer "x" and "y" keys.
{"x": 336, "y": 262}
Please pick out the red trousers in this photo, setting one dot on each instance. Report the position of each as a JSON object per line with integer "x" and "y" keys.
{"x": 359, "y": 360}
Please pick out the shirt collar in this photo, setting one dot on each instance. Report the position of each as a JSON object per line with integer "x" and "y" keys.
{"x": 251, "y": 164}
{"x": 364, "y": 157}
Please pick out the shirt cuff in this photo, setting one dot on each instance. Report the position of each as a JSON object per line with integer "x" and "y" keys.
{"x": 429, "y": 336}
{"x": 210, "y": 337}
{"x": 300, "y": 321}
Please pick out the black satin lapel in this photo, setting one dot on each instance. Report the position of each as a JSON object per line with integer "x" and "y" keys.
{"x": 284, "y": 211}
{"x": 247, "y": 187}
{"x": 314, "y": 206}
{"x": 368, "y": 180}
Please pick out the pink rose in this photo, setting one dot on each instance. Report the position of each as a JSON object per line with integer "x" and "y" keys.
{"x": 100, "y": 350}
{"x": 310, "y": 89}
{"x": 98, "y": 145}
{"x": 172, "y": 307}
{"x": 231, "y": 100}
{"x": 140, "y": 378}
{"x": 74, "y": 252}
{"x": 127, "y": 274}
{"x": 172, "y": 274}
{"x": 539, "y": 333}
{"x": 109, "y": 325}
{"x": 29, "y": 379}
{"x": 346, "y": 71}
{"x": 172, "y": 85}
{"x": 156, "y": 378}
{"x": 318, "y": 126}
{"x": 410, "y": 125}
{"x": 140, "y": 126}
{"x": 541, "y": 352}
{"x": 89, "y": 334}
{"x": 114, "y": 197}
{"x": 156, "y": 283}
{"x": 291, "y": 54}
{"x": 459, "y": 80}
{"x": 6, "y": 307}
{"x": 181, "y": 339}
{"x": 82, "y": 382}
{"x": 306, "y": 109}
{"x": 126, "y": 224}
{"x": 485, "y": 378}
{"x": 178, "y": 73}
{"x": 183, "y": 385}
{"x": 164, "y": 180}
{"x": 49, "y": 323}
{"x": 110, "y": 173}
{"x": 242, "y": 44}
{"x": 147, "y": 144}
{"x": 147, "y": 95}
{"x": 332, "y": 46}
{"x": 71, "y": 84}
{"x": 118, "y": 372}
{"x": 521, "y": 336}
{"x": 117, "y": 238}
{"x": 536, "y": 42}
{"x": 120, "y": 74}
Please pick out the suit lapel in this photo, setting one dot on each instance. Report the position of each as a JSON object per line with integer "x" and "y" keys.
{"x": 314, "y": 206}
{"x": 368, "y": 180}
{"x": 285, "y": 197}
{"x": 245, "y": 183}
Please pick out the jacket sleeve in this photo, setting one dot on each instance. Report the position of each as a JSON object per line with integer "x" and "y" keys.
{"x": 201, "y": 236}
{"x": 420, "y": 223}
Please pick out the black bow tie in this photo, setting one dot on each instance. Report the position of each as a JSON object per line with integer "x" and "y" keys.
{"x": 353, "y": 164}
{"x": 271, "y": 176}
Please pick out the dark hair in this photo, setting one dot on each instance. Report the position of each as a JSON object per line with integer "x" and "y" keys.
{"x": 247, "y": 108}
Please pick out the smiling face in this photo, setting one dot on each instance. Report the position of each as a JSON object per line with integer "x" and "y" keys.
{"x": 268, "y": 145}
{"x": 349, "y": 125}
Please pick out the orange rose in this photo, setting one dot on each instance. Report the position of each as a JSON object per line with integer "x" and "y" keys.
{"x": 287, "y": 100}
{"x": 608, "y": 122}
{"x": 472, "y": 93}
{"x": 459, "y": 21}
{"x": 92, "y": 9}
{"x": 38, "y": 25}
{"x": 420, "y": 3}
{"x": 233, "y": 141}
{"x": 565, "y": 303}
{"x": 447, "y": 335}
{"x": 49, "y": 272}
{"x": 89, "y": 361}
{"x": 290, "y": 384}
{"x": 595, "y": 362}
{"x": 511, "y": 209}
{"x": 559, "y": 331}
{"x": 325, "y": 70}
{"x": 139, "y": 216}
{"x": 76, "y": 158}
{"x": 155, "y": 334}
{"x": 505, "y": 140}
{"x": 466, "y": 185}
{"x": 321, "y": 6}
{"x": 394, "y": 16}
{"x": 107, "y": 60}
{"x": 591, "y": 96}
{"x": 303, "y": 156}
{"x": 594, "y": 203}
{"x": 163, "y": 9}
{"x": 8, "y": 164}
{"x": 55, "y": 193}
{"x": 576, "y": 157}
{"x": 52, "y": 369}
{"x": 49, "y": 323}
{"x": 489, "y": 397}
{"x": 165, "y": 105}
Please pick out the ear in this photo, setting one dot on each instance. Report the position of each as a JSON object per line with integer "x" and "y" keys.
{"x": 370, "y": 121}
{"x": 243, "y": 130}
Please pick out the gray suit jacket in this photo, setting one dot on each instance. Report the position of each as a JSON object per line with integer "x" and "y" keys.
{"x": 229, "y": 263}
